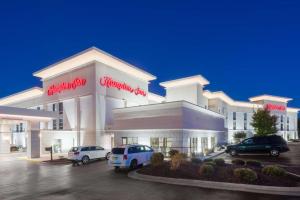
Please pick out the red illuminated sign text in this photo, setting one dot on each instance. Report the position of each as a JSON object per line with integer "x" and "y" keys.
{"x": 77, "y": 82}
{"x": 108, "y": 82}
{"x": 270, "y": 107}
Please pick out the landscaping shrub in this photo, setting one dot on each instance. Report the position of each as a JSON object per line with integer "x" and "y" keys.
{"x": 238, "y": 162}
{"x": 157, "y": 159}
{"x": 212, "y": 163}
{"x": 172, "y": 152}
{"x": 253, "y": 163}
{"x": 206, "y": 170}
{"x": 196, "y": 160}
{"x": 208, "y": 160}
{"x": 177, "y": 160}
{"x": 245, "y": 175}
{"x": 219, "y": 161}
{"x": 273, "y": 170}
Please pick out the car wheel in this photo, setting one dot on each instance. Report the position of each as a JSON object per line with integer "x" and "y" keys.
{"x": 274, "y": 153}
{"x": 108, "y": 156}
{"x": 85, "y": 160}
{"x": 233, "y": 152}
{"x": 133, "y": 164}
{"x": 117, "y": 168}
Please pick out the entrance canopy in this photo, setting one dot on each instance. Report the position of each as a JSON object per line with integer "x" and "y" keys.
{"x": 8, "y": 115}
{"x": 26, "y": 114}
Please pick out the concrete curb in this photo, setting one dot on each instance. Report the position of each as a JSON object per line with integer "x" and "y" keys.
{"x": 287, "y": 191}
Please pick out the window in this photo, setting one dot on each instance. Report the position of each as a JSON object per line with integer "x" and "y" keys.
{"x": 148, "y": 149}
{"x": 53, "y": 107}
{"x": 245, "y": 125}
{"x": 281, "y": 118}
{"x": 93, "y": 148}
{"x": 193, "y": 144}
{"x": 17, "y": 128}
{"x": 245, "y": 116}
{"x": 154, "y": 142}
{"x": 118, "y": 150}
{"x": 287, "y": 127}
{"x": 204, "y": 144}
{"x": 21, "y": 127}
{"x": 54, "y": 124}
{"x": 38, "y": 108}
{"x": 61, "y": 124}
{"x": 288, "y": 120}
{"x": 234, "y": 125}
{"x": 60, "y": 108}
{"x": 249, "y": 141}
{"x": 99, "y": 148}
{"x": 234, "y": 115}
{"x": 281, "y": 127}
{"x": 129, "y": 140}
{"x": 85, "y": 148}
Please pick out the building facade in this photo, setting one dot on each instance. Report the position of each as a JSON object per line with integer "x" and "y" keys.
{"x": 102, "y": 100}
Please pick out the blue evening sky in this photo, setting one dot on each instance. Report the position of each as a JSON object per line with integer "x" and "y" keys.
{"x": 244, "y": 48}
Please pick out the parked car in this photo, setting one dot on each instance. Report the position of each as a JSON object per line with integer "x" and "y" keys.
{"x": 86, "y": 153}
{"x": 273, "y": 144}
{"x": 130, "y": 156}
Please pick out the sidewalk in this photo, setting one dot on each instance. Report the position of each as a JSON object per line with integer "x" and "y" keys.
{"x": 23, "y": 156}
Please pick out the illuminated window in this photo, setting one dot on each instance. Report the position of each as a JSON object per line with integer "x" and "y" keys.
{"x": 129, "y": 140}
{"x": 154, "y": 142}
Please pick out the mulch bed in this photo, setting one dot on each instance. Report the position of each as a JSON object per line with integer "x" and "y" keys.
{"x": 190, "y": 170}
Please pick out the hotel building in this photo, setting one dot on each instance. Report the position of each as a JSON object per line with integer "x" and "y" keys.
{"x": 94, "y": 98}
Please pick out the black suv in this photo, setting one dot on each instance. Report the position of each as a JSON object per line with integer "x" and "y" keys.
{"x": 273, "y": 144}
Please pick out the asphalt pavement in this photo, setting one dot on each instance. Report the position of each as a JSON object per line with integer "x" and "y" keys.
{"x": 23, "y": 179}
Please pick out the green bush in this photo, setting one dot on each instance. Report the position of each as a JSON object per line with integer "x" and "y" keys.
{"x": 206, "y": 170}
{"x": 245, "y": 175}
{"x": 208, "y": 160}
{"x": 273, "y": 170}
{"x": 196, "y": 160}
{"x": 253, "y": 163}
{"x": 238, "y": 162}
{"x": 172, "y": 152}
{"x": 177, "y": 160}
{"x": 219, "y": 161}
{"x": 212, "y": 163}
{"x": 157, "y": 159}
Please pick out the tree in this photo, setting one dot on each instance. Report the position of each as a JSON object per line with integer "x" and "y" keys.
{"x": 238, "y": 136}
{"x": 264, "y": 123}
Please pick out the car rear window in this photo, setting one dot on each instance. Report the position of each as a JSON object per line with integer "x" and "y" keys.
{"x": 74, "y": 149}
{"x": 118, "y": 150}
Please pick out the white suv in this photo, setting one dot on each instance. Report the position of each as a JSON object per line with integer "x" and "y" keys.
{"x": 86, "y": 153}
{"x": 130, "y": 156}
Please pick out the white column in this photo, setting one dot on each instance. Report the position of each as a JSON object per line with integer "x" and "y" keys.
{"x": 5, "y": 137}
{"x": 33, "y": 140}
{"x": 78, "y": 116}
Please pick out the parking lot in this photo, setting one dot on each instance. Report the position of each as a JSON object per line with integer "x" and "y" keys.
{"x": 289, "y": 160}
{"x": 21, "y": 179}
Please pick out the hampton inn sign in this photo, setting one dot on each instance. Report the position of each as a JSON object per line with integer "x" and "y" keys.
{"x": 109, "y": 82}
{"x": 107, "y": 102}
